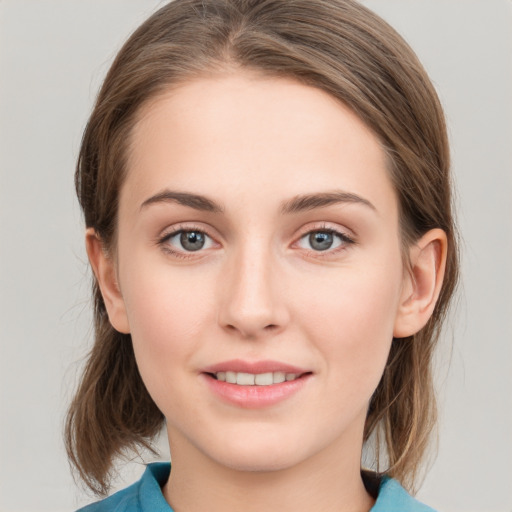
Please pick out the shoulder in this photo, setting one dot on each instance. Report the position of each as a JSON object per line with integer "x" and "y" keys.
{"x": 393, "y": 497}
{"x": 143, "y": 496}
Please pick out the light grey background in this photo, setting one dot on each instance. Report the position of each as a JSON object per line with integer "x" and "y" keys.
{"x": 53, "y": 55}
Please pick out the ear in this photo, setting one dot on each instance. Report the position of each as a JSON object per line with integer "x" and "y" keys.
{"x": 422, "y": 283}
{"x": 103, "y": 267}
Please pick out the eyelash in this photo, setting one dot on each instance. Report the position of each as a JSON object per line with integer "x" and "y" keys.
{"x": 324, "y": 228}
{"x": 163, "y": 241}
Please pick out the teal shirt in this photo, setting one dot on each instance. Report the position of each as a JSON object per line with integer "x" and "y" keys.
{"x": 146, "y": 496}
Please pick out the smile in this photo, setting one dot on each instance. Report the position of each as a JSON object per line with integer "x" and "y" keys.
{"x": 258, "y": 379}
{"x": 257, "y": 384}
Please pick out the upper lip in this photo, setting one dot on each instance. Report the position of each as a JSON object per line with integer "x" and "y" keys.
{"x": 254, "y": 367}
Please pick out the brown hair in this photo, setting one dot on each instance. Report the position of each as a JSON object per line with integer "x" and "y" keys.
{"x": 340, "y": 47}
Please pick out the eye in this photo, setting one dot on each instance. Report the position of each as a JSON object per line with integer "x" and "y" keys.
{"x": 188, "y": 240}
{"x": 323, "y": 240}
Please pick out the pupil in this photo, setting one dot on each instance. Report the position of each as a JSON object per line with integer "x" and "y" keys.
{"x": 192, "y": 240}
{"x": 321, "y": 240}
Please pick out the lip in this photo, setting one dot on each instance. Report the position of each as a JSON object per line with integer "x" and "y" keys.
{"x": 239, "y": 365}
{"x": 255, "y": 397}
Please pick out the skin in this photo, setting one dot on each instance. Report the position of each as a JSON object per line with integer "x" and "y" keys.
{"x": 259, "y": 290}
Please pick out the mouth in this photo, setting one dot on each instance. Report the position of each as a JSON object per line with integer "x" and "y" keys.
{"x": 253, "y": 385}
{"x": 256, "y": 379}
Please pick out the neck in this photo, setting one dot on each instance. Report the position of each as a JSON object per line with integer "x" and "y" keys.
{"x": 327, "y": 481}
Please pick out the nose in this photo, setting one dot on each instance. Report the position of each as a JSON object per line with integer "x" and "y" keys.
{"x": 252, "y": 296}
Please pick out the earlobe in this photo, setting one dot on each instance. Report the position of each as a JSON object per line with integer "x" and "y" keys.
{"x": 104, "y": 269}
{"x": 422, "y": 283}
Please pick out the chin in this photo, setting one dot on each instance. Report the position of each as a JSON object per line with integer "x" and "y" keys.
{"x": 251, "y": 454}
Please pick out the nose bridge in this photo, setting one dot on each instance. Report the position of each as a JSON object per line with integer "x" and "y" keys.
{"x": 251, "y": 301}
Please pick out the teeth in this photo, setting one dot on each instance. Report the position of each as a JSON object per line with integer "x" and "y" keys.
{"x": 264, "y": 379}
{"x": 245, "y": 379}
{"x": 260, "y": 379}
{"x": 279, "y": 377}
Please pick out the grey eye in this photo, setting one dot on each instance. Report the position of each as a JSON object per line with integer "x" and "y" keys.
{"x": 322, "y": 240}
{"x": 190, "y": 240}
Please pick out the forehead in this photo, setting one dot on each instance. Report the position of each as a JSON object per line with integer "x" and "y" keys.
{"x": 255, "y": 133}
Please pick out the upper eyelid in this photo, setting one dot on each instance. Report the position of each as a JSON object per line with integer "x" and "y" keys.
{"x": 346, "y": 240}
{"x": 175, "y": 229}
{"x": 327, "y": 226}
{"x": 170, "y": 232}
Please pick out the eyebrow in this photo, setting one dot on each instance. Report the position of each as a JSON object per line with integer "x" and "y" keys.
{"x": 312, "y": 201}
{"x": 196, "y": 201}
{"x": 297, "y": 204}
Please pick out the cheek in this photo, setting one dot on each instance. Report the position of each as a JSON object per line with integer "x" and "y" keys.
{"x": 352, "y": 322}
{"x": 166, "y": 314}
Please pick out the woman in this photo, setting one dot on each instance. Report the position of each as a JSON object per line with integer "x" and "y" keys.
{"x": 267, "y": 198}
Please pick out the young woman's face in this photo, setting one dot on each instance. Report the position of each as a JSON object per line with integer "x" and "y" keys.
{"x": 258, "y": 242}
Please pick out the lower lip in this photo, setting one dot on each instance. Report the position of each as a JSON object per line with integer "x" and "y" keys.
{"x": 255, "y": 397}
